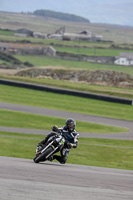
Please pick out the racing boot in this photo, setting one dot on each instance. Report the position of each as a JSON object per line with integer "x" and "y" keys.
{"x": 51, "y": 158}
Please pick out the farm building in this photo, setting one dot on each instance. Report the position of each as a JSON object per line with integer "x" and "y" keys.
{"x": 96, "y": 37}
{"x": 75, "y": 36}
{"x": 124, "y": 59}
{"x": 83, "y": 35}
{"x": 85, "y": 32}
{"x": 55, "y": 36}
{"x": 23, "y": 33}
{"x": 39, "y": 35}
{"x": 24, "y": 49}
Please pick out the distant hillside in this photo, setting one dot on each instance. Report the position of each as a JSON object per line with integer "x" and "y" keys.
{"x": 61, "y": 16}
{"x": 13, "y": 21}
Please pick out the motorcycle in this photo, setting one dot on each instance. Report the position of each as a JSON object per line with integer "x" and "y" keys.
{"x": 54, "y": 144}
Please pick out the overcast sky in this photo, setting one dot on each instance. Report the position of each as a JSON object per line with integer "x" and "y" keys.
{"x": 97, "y": 11}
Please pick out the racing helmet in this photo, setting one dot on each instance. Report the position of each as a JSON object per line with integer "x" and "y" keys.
{"x": 70, "y": 124}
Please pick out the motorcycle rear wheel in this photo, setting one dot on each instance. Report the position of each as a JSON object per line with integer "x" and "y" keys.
{"x": 42, "y": 157}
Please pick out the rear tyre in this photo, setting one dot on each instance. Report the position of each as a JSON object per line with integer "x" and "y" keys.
{"x": 42, "y": 157}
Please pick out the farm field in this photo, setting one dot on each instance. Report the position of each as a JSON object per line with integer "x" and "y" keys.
{"x": 14, "y": 21}
{"x": 94, "y": 51}
{"x": 40, "y": 61}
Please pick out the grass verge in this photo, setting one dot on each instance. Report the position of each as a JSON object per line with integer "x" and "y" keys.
{"x": 84, "y": 87}
{"x": 33, "y": 121}
{"x": 23, "y": 146}
{"x": 49, "y": 100}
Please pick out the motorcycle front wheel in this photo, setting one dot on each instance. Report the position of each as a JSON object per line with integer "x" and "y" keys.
{"x": 42, "y": 157}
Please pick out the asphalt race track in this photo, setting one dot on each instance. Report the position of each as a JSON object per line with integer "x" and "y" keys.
{"x": 22, "y": 179}
{"x": 77, "y": 116}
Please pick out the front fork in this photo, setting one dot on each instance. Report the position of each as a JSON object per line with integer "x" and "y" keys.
{"x": 38, "y": 152}
{"x": 56, "y": 148}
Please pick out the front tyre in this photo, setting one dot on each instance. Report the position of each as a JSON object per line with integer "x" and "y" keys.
{"x": 42, "y": 157}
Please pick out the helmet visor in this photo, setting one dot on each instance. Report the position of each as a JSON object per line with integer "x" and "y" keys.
{"x": 70, "y": 125}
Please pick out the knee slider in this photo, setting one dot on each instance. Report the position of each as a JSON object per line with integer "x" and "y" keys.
{"x": 63, "y": 160}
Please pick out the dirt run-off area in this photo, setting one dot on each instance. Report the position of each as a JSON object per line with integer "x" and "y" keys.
{"x": 8, "y": 71}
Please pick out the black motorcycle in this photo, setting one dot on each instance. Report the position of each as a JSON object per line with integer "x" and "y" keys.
{"x": 53, "y": 145}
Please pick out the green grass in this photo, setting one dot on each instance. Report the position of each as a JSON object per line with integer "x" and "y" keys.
{"x": 91, "y": 51}
{"x": 84, "y": 87}
{"x": 111, "y": 142}
{"x": 54, "y": 42}
{"x": 86, "y": 154}
{"x": 24, "y": 145}
{"x": 43, "y": 61}
{"x": 10, "y": 36}
{"x": 49, "y": 100}
{"x": 33, "y": 121}
{"x": 6, "y": 33}
{"x": 3, "y": 61}
{"x": 85, "y": 141}
{"x": 101, "y": 156}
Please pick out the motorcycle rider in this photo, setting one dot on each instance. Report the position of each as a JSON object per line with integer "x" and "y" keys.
{"x": 71, "y": 137}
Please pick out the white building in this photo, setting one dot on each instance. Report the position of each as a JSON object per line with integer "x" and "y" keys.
{"x": 83, "y": 35}
{"x": 39, "y": 35}
{"x": 55, "y": 36}
{"x": 124, "y": 59}
{"x": 75, "y": 36}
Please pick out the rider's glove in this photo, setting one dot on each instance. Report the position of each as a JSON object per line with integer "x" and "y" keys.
{"x": 70, "y": 145}
{"x": 55, "y": 128}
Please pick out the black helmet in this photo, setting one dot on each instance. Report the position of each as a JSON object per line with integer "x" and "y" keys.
{"x": 70, "y": 124}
